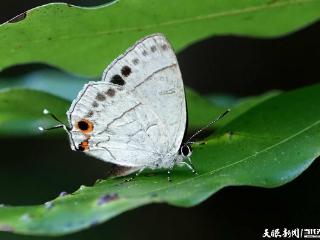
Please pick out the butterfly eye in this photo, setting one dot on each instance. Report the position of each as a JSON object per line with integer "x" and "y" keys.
{"x": 186, "y": 150}
{"x": 85, "y": 126}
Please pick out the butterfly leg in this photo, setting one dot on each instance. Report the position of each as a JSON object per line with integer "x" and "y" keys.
{"x": 135, "y": 175}
{"x": 169, "y": 175}
{"x": 140, "y": 171}
{"x": 130, "y": 179}
{"x": 190, "y": 166}
{"x": 193, "y": 168}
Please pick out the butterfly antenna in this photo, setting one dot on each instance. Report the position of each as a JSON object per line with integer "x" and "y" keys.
{"x": 208, "y": 125}
{"x": 61, "y": 125}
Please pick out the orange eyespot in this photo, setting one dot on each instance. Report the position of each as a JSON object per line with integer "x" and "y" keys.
{"x": 85, "y": 126}
{"x": 83, "y": 146}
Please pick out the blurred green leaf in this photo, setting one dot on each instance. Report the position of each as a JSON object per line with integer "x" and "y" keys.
{"x": 222, "y": 100}
{"x": 84, "y": 41}
{"x": 200, "y": 111}
{"x": 266, "y": 146}
{"x": 242, "y": 105}
{"x": 237, "y": 105}
{"x": 48, "y": 80}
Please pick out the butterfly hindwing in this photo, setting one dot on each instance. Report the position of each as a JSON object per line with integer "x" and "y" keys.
{"x": 123, "y": 130}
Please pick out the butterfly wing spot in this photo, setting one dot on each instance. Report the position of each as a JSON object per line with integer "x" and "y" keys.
{"x": 95, "y": 104}
{"x": 164, "y": 46}
{"x": 135, "y": 61}
{"x": 90, "y": 114}
{"x": 125, "y": 71}
{"x": 153, "y": 48}
{"x": 117, "y": 79}
{"x": 144, "y": 53}
{"x": 100, "y": 97}
{"x": 85, "y": 126}
{"x": 111, "y": 92}
{"x": 83, "y": 146}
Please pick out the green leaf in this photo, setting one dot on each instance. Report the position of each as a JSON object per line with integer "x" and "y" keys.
{"x": 266, "y": 146}
{"x": 84, "y": 41}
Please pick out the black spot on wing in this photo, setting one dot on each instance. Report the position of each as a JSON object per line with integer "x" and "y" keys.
{"x": 83, "y": 125}
{"x": 164, "y": 47}
{"x": 80, "y": 148}
{"x": 153, "y": 48}
{"x": 110, "y": 92}
{"x": 100, "y": 97}
{"x": 95, "y": 104}
{"x": 125, "y": 71}
{"x": 135, "y": 61}
{"x": 90, "y": 113}
{"x": 117, "y": 79}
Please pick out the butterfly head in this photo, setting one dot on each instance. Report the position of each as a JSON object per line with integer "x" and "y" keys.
{"x": 185, "y": 150}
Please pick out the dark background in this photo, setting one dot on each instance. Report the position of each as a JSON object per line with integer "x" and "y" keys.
{"x": 35, "y": 170}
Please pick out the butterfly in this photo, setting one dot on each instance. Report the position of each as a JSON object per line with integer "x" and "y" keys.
{"x": 136, "y": 116}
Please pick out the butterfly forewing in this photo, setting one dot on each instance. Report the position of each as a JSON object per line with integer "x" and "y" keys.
{"x": 151, "y": 69}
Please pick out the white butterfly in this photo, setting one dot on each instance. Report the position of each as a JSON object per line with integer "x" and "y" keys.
{"x": 136, "y": 116}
